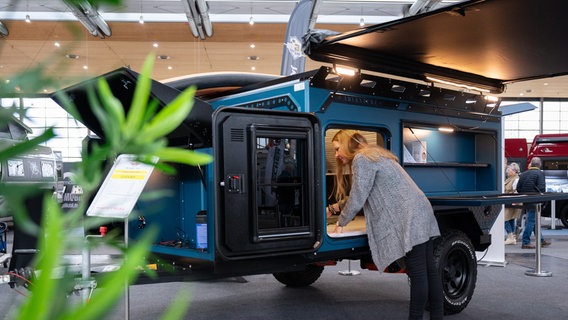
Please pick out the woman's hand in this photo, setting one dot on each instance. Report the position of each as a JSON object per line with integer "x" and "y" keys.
{"x": 332, "y": 210}
{"x": 338, "y": 229}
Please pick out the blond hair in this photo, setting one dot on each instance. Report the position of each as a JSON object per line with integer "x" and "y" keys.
{"x": 515, "y": 167}
{"x": 351, "y": 143}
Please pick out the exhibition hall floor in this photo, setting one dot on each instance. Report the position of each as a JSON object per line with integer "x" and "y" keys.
{"x": 502, "y": 292}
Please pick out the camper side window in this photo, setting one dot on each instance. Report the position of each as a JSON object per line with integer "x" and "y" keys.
{"x": 357, "y": 226}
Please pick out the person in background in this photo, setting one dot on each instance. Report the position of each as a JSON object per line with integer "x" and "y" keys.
{"x": 531, "y": 181}
{"x": 511, "y": 213}
{"x": 400, "y": 219}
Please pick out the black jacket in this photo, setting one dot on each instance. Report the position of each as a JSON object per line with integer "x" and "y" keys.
{"x": 531, "y": 180}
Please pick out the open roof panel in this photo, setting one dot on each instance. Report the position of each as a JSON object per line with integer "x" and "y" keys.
{"x": 194, "y": 132}
{"x": 483, "y": 44}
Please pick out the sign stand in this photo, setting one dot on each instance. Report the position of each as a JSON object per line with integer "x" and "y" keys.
{"x": 116, "y": 199}
{"x": 538, "y": 272}
{"x": 126, "y": 286}
{"x": 349, "y": 272}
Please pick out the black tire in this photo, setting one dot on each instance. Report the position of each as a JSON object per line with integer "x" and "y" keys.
{"x": 455, "y": 257}
{"x": 296, "y": 279}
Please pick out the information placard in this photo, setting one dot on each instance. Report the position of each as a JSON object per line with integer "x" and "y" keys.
{"x": 121, "y": 188}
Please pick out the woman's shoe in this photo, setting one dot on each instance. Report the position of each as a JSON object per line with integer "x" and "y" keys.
{"x": 511, "y": 239}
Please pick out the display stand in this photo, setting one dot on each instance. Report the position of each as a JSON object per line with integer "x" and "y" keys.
{"x": 494, "y": 256}
{"x": 116, "y": 199}
{"x": 553, "y": 214}
{"x": 126, "y": 286}
{"x": 349, "y": 272}
{"x": 537, "y": 272}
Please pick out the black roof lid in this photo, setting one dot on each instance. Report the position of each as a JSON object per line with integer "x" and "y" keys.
{"x": 483, "y": 43}
{"x": 194, "y": 132}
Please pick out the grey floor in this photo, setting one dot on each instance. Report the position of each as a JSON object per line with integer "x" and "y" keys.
{"x": 502, "y": 292}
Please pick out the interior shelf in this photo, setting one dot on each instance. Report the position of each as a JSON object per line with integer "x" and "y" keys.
{"x": 446, "y": 164}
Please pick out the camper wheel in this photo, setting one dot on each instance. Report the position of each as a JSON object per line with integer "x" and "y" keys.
{"x": 300, "y": 278}
{"x": 456, "y": 260}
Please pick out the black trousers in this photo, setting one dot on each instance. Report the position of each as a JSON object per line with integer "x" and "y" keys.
{"x": 425, "y": 282}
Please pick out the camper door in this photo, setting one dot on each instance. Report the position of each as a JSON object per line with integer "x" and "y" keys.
{"x": 267, "y": 182}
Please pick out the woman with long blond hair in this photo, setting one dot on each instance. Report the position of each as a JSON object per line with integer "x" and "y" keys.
{"x": 511, "y": 213}
{"x": 399, "y": 218}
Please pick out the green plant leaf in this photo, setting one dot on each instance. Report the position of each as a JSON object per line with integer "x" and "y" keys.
{"x": 15, "y": 195}
{"x": 113, "y": 284}
{"x": 51, "y": 246}
{"x": 178, "y": 155}
{"x": 68, "y": 105}
{"x": 170, "y": 117}
{"x": 26, "y": 146}
{"x": 112, "y": 105}
{"x": 121, "y": 131}
{"x": 178, "y": 307}
{"x": 108, "y": 124}
{"x": 137, "y": 111}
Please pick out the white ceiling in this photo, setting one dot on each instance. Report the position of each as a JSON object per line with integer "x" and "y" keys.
{"x": 29, "y": 44}
{"x": 336, "y": 11}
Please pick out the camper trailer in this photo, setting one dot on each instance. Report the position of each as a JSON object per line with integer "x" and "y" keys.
{"x": 259, "y": 207}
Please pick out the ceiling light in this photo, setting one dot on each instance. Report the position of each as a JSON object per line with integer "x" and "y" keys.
{"x": 345, "y": 71}
{"x": 170, "y": 68}
{"x": 253, "y": 68}
{"x": 251, "y": 21}
{"x": 446, "y": 129}
{"x": 252, "y": 45}
{"x": 362, "y": 22}
{"x": 470, "y": 101}
{"x": 141, "y": 20}
{"x": 72, "y": 56}
{"x": 455, "y": 84}
{"x": 85, "y": 67}
{"x": 57, "y": 44}
{"x": 155, "y": 45}
{"x": 28, "y": 19}
{"x": 253, "y": 58}
{"x": 163, "y": 57}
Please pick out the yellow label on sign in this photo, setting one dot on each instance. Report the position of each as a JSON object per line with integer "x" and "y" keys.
{"x": 129, "y": 174}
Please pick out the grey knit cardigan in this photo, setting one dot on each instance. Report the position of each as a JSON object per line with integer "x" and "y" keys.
{"x": 398, "y": 214}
